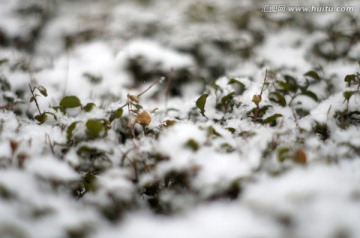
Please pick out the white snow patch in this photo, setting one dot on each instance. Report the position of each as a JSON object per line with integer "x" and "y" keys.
{"x": 51, "y": 168}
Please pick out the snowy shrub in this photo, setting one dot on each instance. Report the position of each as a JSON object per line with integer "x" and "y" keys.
{"x": 177, "y": 119}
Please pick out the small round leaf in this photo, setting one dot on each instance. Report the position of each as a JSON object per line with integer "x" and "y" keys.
{"x": 70, "y": 102}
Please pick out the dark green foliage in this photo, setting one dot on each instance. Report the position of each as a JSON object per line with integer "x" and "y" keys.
{"x": 42, "y": 90}
{"x": 193, "y": 145}
{"x": 3, "y": 61}
{"x": 227, "y": 98}
{"x": 70, "y": 40}
{"x": 312, "y": 74}
{"x": 348, "y": 94}
{"x": 231, "y": 129}
{"x": 94, "y": 128}
{"x": 227, "y": 148}
{"x": 350, "y": 79}
{"x": 345, "y": 118}
{"x": 143, "y": 69}
{"x": 278, "y": 98}
{"x": 4, "y": 84}
{"x": 70, "y": 102}
{"x": 283, "y": 153}
{"x": 311, "y": 95}
{"x": 94, "y": 79}
{"x": 69, "y": 132}
{"x": 200, "y": 103}
{"x": 5, "y": 193}
{"x": 116, "y": 115}
{"x": 322, "y": 130}
{"x": 41, "y": 118}
{"x": 211, "y": 132}
{"x": 94, "y": 160}
{"x": 177, "y": 180}
{"x": 291, "y": 83}
{"x": 226, "y": 103}
{"x": 90, "y": 182}
{"x": 271, "y": 120}
{"x": 259, "y": 112}
{"x": 241, "y": 86}
{"x": 230, "y": 192}
{"x": 88, "y": 107}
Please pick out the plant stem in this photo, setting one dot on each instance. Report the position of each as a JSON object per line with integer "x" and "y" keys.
{"x": 263, "y": 86}
{"x": 34, "y": 96}
{"x": 153, "y": 84}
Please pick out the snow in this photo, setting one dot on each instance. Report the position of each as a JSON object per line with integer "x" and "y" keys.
{"x": 174, "y": 142}
{"x": 153, "y": 52}
{"x": 219, "y": 174}
{"x": 288, "y": 54}
{"x": 312, "y": 196}
{"x": 205, "y": 221}
{"x": 51, "y": 168}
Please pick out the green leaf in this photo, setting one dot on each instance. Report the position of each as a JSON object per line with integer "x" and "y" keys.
{"x": 231, "y": 129}
{"x": 106, "y": 125}
{"x": 200, "y": 103}
{"x": 42, "y": 90}
{"x": 256, "y": 99}
{"x": 348, "y": 94}
{"x": 278, "y": 98}
{"x": 349, "y": 78}
{"x": 94, "y": 127}
{"x": 237, "y": 82}
{"x": 52, "y": 114}
{"x": 227, "y": 98}
{"x": 212, "y": 132}
{"x": 263, "y": 109}
{"x": 4, "y": 84}
{"x": 3, "y": 61}
{"x": 137, "y": 106}
{"x": 234, "y": 81}
{"x": 322, "y": 129}
{"x": 169, "y": 123}
{"x": 70, "y": 102}
{"x": 116, "y": 114}
{"x": 312, "y": 74}
{"x": 291, "y": 82}
{"x": 69, "y": 131}
{"x": 41, "y": 118}
{"x": 90, "y": 182}
{"x": 311, "y": 95}
{"x": 192, "y": 144}
{"x": 94, "y": 79}
{"x": 272, "y": 119}
{"x": 227, "y": 147}
{"x": 32, "y": 99}
{"x": 283, "y": 85}
{"x": 283, "y": 154}
{"x": 88, "y": 107}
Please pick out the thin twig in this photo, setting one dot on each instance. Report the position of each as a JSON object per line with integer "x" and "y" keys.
{"x": 256, "y": 114}
{"x": 140, "y": 94}
{"x": 167, "y": 90}
{"x": 130, "y": 124}
{"x": 263, "y": 86}
{"x": 34, "y": 96}
{"x": 67, "y": 72}
{"x": 153, "y": 84}
{"x": 48, "y": 139}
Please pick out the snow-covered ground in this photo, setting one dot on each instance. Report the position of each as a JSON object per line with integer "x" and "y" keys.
{"x": 157, "y": 118}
